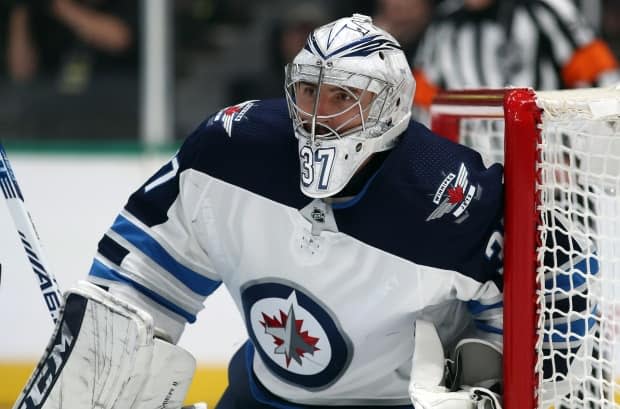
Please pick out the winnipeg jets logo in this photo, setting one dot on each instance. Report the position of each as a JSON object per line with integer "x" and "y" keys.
{"x": 288, "y": 336}
{"x": 231, "y": 114}
{"x": 453, "y": 197}
{"x": 296, "y": 337}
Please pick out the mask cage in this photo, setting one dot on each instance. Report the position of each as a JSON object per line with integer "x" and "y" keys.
{"x": 315, "y": 127}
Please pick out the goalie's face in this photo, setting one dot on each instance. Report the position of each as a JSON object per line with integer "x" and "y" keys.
{"x": 329, "y": 111}
{"x": 338, "y": 118}
{"x": 327, "y": 103}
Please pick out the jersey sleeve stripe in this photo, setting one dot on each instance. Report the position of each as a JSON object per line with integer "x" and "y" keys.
{"x": 151, "y": 248}
{"x": 98, "y": 269}
{"x": 563, "y": 346}
{"x": 578, "y": 302}
{"x": 112, "y": 250}
{"x": 488, "y": 328}
{"x": 568, "y": 282}
{"x": 476, "y": 307}
{"x": 571, "y": 331}
{"x": 565, "y": 281}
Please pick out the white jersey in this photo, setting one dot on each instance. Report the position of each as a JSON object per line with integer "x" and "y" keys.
{"x": 329, "y": 293}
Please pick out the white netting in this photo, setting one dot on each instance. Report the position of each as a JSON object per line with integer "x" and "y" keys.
{"x": 484, "y": 135}
{"x": 579, "y": 280}
{"x": 580, "y": 178}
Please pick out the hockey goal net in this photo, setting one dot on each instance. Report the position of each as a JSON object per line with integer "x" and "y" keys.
{"x": 561, "y": 152}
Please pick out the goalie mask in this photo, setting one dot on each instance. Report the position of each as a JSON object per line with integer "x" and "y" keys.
{"x": 349, "y": 94}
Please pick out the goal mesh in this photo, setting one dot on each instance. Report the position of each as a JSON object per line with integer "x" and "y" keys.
{"x": 561, "y": 151}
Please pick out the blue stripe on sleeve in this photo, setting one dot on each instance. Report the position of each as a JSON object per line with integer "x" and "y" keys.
{"x": 101, "y": 271}
{"x": 566, "y": 282}
{"x": 572, "y": 331}
{"x": 133, "y": 234}
{"x": 476, "y": 307}
{"x": 488, "y": 328}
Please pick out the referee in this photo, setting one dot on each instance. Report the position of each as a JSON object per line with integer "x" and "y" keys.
{"x": 543, "y": 44}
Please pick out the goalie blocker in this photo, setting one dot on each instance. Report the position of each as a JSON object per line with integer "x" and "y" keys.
{"x": 103, "y": 354}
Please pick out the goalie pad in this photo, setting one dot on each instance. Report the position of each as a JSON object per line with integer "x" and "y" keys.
{"x": 103, "y": 354}
{"x": 468, "y": 384}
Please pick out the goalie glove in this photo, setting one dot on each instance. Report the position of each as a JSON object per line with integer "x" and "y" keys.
{"x": 103, "y": 355}
{"x": 430, "y": 372}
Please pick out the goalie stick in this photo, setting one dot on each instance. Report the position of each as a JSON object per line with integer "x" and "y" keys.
{"x": 28, "y": 236}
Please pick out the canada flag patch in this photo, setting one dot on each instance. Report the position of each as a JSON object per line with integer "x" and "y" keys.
{"x": 453, "y": 195}
{"x": 234, "y": 113}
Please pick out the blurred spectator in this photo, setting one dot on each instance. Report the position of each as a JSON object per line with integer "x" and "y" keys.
{"x": 406, "y": 20}
{"x": 197, "y": 23}
{"x": 610, "y": 25}
{"x": 344, "y": 8}
{"x": 49, "y": 38}
{"x": 74, "y": 66}
{"x": 495, "y": 43}
{"x": 286, "y": 37}
{"x": 227, "y": 52}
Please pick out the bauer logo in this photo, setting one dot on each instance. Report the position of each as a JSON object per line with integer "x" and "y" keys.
{"x": 296, "y": 337}
{"x": 454, "y": 195}
{"x": 232, "y": 114}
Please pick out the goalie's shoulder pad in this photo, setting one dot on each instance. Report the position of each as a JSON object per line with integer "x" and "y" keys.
{"x": 102, "y": 354}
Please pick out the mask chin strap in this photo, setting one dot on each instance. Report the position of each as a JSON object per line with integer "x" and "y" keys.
{"x": 316, "y": 105}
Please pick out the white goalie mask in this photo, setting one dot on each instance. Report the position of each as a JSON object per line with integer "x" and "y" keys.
{"x": 349, "y": 93}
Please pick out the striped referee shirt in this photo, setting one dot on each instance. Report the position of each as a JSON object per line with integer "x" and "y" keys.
{"x": 544, "y": 44}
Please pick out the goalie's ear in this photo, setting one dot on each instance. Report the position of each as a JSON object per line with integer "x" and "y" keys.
{"x": 476, "y": 363}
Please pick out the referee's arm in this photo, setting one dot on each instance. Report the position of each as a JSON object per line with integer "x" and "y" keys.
{"x": 564, "y": 39}
{"x": 584, "y": 59}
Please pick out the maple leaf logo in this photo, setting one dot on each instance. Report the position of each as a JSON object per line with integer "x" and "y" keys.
{"x": 290, "y": 340}
{"x": 455, "y": 194}
{"x": 232, "y": 110}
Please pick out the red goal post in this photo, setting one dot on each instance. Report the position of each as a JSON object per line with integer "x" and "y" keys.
{"x": 561, "y": 153}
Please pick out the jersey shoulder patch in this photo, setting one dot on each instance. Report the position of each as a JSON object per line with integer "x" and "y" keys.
{"x": 232, "y": 115}
{"x": 453, "y": 195}
{"x": 252, "y": 146}
{"x": 449, "y": 179}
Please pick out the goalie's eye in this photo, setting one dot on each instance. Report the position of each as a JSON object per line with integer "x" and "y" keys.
{"x": 343, "y": 96}
{"x": 306, "y": 90}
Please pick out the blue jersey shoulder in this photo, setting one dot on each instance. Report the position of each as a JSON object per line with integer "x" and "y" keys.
{"x": 251, "y": 145}
{"x": 432, "y": 202}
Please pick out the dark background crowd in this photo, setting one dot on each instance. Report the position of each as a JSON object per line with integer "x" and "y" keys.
{"x": 70, "y": 69}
